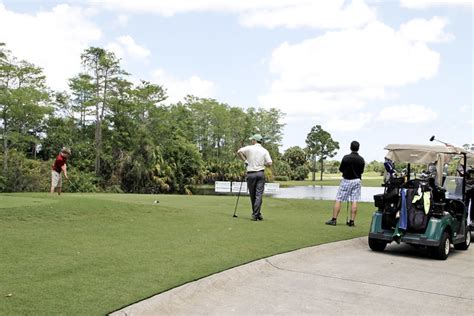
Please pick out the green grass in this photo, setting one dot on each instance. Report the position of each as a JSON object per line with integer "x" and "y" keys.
{"x": 90, "y": 254}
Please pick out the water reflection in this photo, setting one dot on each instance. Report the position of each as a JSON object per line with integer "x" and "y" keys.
{"x": 317, "y": 192}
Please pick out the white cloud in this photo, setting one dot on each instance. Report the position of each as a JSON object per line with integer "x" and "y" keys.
{"x": 261, "y": 13}
{"x": 125, "y": 46}
{"x": 349, "y": 124}
{"x": 122, "y": 19}
{"x": 408, "y": 114}
{"x": 375, "y": 56}
{"x": 310, "y": 103}
{"x": 341, "y": 71}
{"x": 317, "y": 14}
{"x": 466, "y": 109}
{"x": 429, "y": 31}
{"x": 53, "y": 40}
{"x": 177, "y": 89}
{"x": 423, "y": 4}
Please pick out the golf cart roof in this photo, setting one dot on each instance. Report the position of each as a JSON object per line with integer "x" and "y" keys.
{"x": 422, "y": 154}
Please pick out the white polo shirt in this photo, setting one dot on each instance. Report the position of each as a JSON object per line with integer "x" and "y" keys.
{"x": 257, "y": 157}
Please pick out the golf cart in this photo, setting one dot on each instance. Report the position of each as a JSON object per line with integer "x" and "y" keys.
{"x": 470, "y": 189}
{"x": 427, "y": 209}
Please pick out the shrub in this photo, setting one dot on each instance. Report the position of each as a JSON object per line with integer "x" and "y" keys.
{"x": 300, "y": 173}
{"x": 281, "y": 178}
{"x": 282, "y": 168}
{"x": 83, "y": 182}
{"x": 25, "y": 175}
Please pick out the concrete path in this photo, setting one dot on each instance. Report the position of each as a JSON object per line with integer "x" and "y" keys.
{"x": 342, "y": 278}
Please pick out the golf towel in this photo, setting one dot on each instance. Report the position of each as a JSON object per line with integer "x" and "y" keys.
{"x": 403, "y": 211}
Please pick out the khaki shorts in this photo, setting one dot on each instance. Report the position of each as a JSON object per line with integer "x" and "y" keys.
{"x": 56, "y": 179}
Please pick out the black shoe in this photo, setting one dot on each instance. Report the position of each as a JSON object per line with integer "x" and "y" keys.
{"x": 350, "y": 223}
{"x": 331, "y": 222}
{"x": 260, "y": 218}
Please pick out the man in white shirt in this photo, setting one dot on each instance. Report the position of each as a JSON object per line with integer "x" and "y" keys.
{"x": 256, "y": 158}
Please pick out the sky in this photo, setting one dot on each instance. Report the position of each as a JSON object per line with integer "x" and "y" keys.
{"x": 375, "y": 71}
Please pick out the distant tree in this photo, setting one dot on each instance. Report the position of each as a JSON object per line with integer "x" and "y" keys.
{"x": 103, "y": 69}
{"x": 23, "y": 104}
{"x": 186, "y": 162}
{"x": 295, "y": 156}
{"x": 376, "y": 166}
{"x": 332, "y": 166}
{"x": 82, "y": 88}
{"x": 320, "y": 144}
{"x": 268, "y": 124}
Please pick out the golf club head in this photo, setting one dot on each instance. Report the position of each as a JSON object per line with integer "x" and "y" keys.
{"x": 432, "y": 138}
{"x": 235, "y": 215}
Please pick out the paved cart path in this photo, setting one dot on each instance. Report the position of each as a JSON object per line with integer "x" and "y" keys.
{"x": 342, "y": 278}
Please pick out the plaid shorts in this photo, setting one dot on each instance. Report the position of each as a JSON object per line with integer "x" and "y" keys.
{"x": 349, "y": 190}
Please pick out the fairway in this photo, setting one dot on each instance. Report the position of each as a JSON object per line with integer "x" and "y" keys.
{"x": 91, "y": 254}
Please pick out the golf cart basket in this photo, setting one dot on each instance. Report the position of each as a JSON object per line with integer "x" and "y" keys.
{"x": 428, "y": 208}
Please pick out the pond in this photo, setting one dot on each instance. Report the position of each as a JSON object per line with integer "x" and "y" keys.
{"x": 311, "y": 192}
{"x": 317, "y": 192}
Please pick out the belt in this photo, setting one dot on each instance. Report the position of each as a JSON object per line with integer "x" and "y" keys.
{"x": 254, "y": 171}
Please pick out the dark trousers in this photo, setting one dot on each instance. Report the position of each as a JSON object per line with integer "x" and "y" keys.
{"x": 256, "y": 186}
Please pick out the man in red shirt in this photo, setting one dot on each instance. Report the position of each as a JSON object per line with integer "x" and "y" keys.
{"x": 58, "y": 166}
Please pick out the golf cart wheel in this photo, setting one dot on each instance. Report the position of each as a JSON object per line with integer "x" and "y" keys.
{"x": 441, "y": 252}
{"x": 467, "y": 241}
{"x": 377, "y": 245}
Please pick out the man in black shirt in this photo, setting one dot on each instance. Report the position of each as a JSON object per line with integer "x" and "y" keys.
{"x": 352, "y": 167}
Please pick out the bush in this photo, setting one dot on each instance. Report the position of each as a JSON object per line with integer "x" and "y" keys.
{"x": 282, "y": 168}
{"x": 300, "y": 173}
{"x": 281, "y": 178}
{"x": 223, "y": 171}
{"x": 113, "y": 189}
{"x": 83, "y": 182}
{"x": 25, "y": 175}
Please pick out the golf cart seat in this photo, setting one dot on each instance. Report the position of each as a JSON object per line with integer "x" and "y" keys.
{"x": 456, "y": 208}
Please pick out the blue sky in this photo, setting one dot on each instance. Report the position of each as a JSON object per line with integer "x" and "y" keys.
{"x": 393, "y": 71}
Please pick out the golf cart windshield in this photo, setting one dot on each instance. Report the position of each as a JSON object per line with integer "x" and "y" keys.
{"x": 435, "y": 156}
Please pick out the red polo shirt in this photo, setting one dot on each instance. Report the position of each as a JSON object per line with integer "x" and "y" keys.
{"x": 58, "y": 163}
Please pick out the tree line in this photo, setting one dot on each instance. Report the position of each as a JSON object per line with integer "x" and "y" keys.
{"x": 125, "y": 137}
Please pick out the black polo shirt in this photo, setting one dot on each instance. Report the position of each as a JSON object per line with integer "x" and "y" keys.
{"x": 352, "y": 166}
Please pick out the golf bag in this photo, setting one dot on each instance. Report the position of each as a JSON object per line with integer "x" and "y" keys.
{"x": 389, "y": 202}
{"x": 417, "y": 193}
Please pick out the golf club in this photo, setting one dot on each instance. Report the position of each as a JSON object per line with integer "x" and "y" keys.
{"x": 432, "y": 138}
{"x": 73, "y": 185}
{"x": 238, "y": 196}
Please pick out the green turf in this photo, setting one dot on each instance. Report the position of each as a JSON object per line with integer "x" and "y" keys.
{"x": 90, "y": 254}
